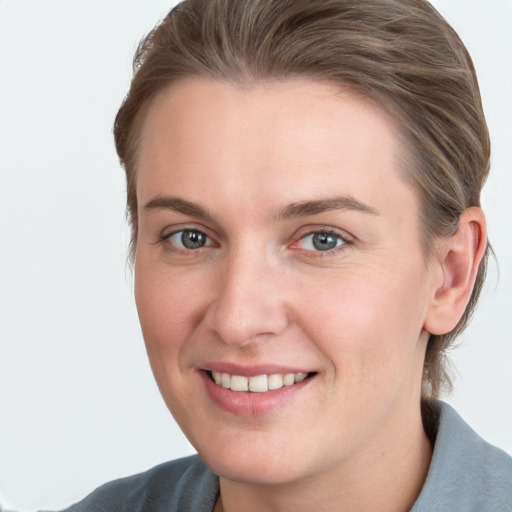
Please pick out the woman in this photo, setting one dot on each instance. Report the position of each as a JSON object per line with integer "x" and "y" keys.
{"x": 303, "y": 189}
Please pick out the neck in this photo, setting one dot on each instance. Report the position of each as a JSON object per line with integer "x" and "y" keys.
{"x": 386, "y": 477}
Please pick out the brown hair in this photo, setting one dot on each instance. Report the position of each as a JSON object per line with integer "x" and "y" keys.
{"x": 400, "y": 54}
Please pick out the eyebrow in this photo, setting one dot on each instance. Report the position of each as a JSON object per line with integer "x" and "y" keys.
{"x": 314, "y": 207}
{"x": 291, "y": 211}
{"x": 179, "y": 205}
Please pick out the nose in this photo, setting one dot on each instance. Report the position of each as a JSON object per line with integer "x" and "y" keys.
{"x": 249, "y": 300}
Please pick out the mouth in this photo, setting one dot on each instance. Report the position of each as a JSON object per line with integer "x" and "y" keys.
{"x": 257, "y": 383}
{"x": 253, "y": 392}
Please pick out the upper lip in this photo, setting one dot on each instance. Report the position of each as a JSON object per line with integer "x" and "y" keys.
{"x": 252, "y": 370}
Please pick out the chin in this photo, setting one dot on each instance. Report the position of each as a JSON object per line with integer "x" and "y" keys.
{"x": 254, "y": 473}
{"x": 256, "y": 465}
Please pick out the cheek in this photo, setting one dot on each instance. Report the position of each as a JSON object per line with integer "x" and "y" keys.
{"x": 167, "y": 306}
{"x": 368, "y": 324}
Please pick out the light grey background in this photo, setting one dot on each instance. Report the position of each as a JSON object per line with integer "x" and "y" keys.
{"x": 78, "y": 402}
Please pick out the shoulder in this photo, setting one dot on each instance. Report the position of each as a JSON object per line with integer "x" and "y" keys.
{"x": 466, "y": 473}
{"x": 181, "y": 485}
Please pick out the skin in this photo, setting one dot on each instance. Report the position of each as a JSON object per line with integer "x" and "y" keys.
{"x": 259, "y": 291}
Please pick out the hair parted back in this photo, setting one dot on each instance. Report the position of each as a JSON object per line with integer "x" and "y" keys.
{"x": 399, "y": 54}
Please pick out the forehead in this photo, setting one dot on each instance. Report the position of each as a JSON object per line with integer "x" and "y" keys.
{"x": 292, "y": 139}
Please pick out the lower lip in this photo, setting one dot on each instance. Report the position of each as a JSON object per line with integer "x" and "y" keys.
{"x": 250, "y": 403}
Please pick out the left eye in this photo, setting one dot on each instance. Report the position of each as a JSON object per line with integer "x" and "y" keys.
{"x": 321, "y": 241}
{"x": 189, "y": 239}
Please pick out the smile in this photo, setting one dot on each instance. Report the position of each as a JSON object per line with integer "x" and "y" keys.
{"x": 256, "y": 383}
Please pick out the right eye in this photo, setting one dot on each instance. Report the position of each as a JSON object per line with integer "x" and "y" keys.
{"x": 189, "y": 239}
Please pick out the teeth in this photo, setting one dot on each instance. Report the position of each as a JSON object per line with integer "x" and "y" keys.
{"x": 225, "y": 380}
{"x": 299, "y": 377}
{"x": 258, "y": 383}
{"x": 239, "y": 383}
{"x": 275, "y": 381}
{"x": 289, "y": 379}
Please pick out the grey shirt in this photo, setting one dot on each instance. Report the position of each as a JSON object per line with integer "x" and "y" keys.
{"x": 466, "y": 474}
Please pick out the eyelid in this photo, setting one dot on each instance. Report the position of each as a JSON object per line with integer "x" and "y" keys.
{"x": 169, "y": 232}
{"x": 207, "y": 243}
{"x": 299, "y": 235}
{"x": 307, "y": 231}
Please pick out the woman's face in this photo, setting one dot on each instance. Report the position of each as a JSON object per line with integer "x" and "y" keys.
{"x": 278, "y": 238}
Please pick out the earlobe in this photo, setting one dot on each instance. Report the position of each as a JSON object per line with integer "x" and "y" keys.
{"x": 458, "y": 259}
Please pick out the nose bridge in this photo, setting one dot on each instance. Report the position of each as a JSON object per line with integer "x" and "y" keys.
{"x": 249, "y": 299}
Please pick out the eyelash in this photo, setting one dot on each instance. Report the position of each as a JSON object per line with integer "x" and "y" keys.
{"x": 318, "y": 253}
{"x": 330, "y": 232}
{"x": 185, "y": 251}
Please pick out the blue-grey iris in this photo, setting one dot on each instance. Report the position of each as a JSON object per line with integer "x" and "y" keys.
{"x": 324, "y": 241}
{"x": 193, "y": 239}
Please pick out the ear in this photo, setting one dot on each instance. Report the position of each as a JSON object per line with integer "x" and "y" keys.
{"x": 458, "y": 259}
